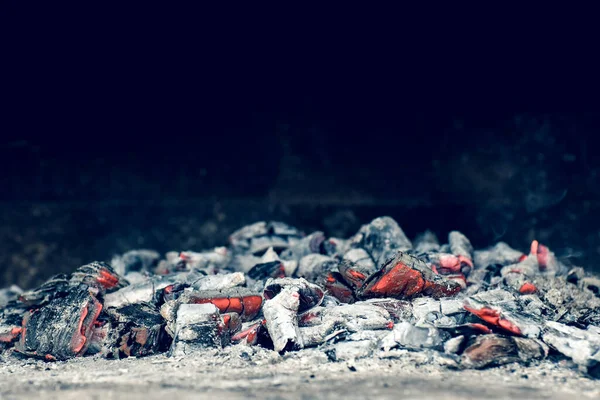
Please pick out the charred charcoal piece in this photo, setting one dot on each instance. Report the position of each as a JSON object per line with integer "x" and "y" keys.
{"x": 104, "y": 338}
{"x": 140, "y": 331}
{"x": 315, "y": 335}
{"x": 426, "y": 242}
{"x": 219, "y": 281}
{"x": 61, "y": 329}
{"x": 310, "y": 294}
{"x": 398, "y": 309}
{"x": 311, "y": 244}
{"x": 135, "y": 261}
{"x": 493, "y": 350}
{"x": 453, "y": 346}
{"x": 499, "y": 308}
{"x": 98, "y": 275}
{"x": 575, "y": 275}
{"x": 406, "y": 276}
{"x": 11, "y": 318}
{"x": 335, "y": 247}
{"x": 315, "y": 267}
{"x": 336, "y": 286}
{"x": 422, "y": 306}
{"x": 460, "y": 246}
{"x": 260, "y": 236}
{"x": 9, "y": 295}
{"x": 281, "y": 315}
{"x": 409, "y": 336}
{"x": 591, "y": 284}
{"x": 197, "y": 328}
{"x": 581, "y": 345}
{"x": 211, "y": 261}
{"x": 216, "y": 259}
{"x": 501, "y": 254}
{"x": 273, "y": 269}
{"x": 382, "y": 239}
{"x": 149, "y": 291}
{"x": 354, "y": 317}
{"x": 56, "y": 286}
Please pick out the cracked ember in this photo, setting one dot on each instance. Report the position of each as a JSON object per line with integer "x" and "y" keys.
{"x": 376, "y": 294}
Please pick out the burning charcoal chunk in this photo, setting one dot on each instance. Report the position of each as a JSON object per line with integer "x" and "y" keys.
{"x": 355, "y": 274}
{"x": 426, "y": 242}
{"x": 311, "y": 244}
{"x": 254, "y": 333}
{"x": 449, "y": 264}
{"x": 460, "y": 245}
{"x": 547, "y": 261}
{"x": 260, "y": 236}
{"x": 337, "y": 287}
{"x": 273, "y": 269}
{"x": 140, "y": 331}
{"x": 315, "y": 267}
{"x": 61, "y": 329}
{"x": 135, "y": 261}
{"x": 362, "y": 259}
{"x": 98, "y": 275}
{"x": 54, "y": 287}
{"x": 583, "y": 346}
{"x": 197, "y": 328}
{"x": 382, "y": 239}
{"x": 281, "y": 315}
{"x": 398, "y": 309}
{"x": 345, "y": 351}
{"x": 409, "y": 336}
{"x": 499, "y": 308}
{"x": 492, "y": 350}
{"x": 9, "y": 294}
{"x": 241, "y": 301}
{"x": 406, "y": 276}
{"x": 501, "y": 254}
{"x": 452, "y": 346}
{"x": 310, "y": 294}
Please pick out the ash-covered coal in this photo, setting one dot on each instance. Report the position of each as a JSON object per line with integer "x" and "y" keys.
{"x": 376, "y": 294}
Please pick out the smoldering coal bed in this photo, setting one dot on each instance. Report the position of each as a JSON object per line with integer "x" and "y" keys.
{"x": 273, "y": 286}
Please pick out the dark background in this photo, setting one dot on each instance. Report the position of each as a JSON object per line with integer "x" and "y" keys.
{"x": 75, "y": 191}
{"x": 169, "y": 129}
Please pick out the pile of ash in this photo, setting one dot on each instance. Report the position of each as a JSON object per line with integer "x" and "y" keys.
{"x": 375, "y": 294}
